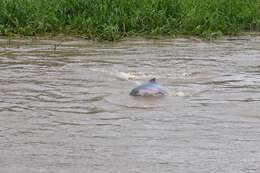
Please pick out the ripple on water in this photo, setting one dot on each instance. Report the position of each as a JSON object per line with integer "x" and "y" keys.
{"x": 125, "y": 100}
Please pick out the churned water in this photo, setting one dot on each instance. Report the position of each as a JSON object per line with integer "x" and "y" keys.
{"x": 65, "y": 106}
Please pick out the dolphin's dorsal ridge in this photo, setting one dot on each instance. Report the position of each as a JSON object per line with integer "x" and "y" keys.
{"x": 152, "y": 80}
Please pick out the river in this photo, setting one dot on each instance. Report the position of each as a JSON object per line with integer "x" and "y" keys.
{"x": 65, "y": 106}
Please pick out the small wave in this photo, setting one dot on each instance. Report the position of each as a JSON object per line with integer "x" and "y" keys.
{"x": 125, "y": 76}
{"x": 178, "y": 94}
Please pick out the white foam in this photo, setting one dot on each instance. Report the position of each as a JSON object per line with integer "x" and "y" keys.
{"x": 125, "y": 76}
{"x": 178, "y": 94}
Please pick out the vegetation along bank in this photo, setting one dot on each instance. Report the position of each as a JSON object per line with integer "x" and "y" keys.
{"x": 114, "y": 19}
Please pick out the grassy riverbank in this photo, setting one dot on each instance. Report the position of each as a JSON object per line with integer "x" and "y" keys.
{"x": 114, "y": 19}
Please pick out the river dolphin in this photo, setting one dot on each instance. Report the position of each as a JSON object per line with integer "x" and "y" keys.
{"x": 151, "y": 88}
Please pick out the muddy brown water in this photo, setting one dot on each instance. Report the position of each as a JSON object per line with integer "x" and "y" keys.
{"x": 65, "y": 106}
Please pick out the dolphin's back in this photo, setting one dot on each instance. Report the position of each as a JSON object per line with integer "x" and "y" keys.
{"x": 148, "y": 89}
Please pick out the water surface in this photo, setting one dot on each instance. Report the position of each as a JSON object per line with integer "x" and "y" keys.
{"x": 65, "y": 106}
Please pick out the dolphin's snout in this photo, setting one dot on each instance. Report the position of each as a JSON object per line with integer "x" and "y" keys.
{"x": 134, "y": 92}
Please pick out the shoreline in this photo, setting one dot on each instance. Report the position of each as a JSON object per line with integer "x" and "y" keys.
{"x": 62, "y": 37}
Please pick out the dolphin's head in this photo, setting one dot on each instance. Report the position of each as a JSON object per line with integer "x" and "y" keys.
{"x": 134, "y": 92}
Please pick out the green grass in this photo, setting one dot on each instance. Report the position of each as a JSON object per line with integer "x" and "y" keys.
{"x": 114, "y": 19}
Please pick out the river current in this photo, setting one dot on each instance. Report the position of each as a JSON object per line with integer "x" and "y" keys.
{"x": 65, "y": 106}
